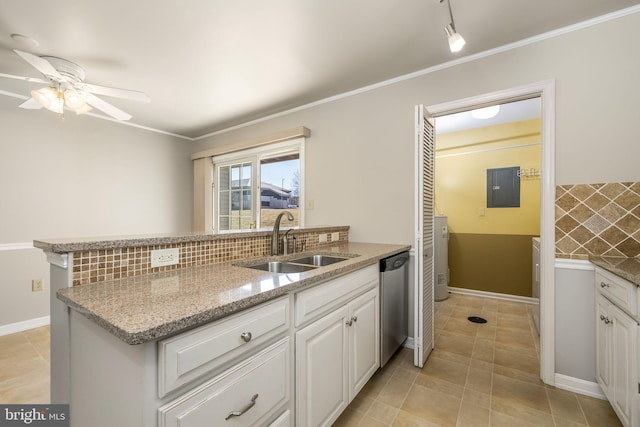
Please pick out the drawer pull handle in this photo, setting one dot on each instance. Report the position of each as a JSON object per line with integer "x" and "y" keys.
{"x": 604, "y": 285}
{"x": 245, "y": 409}
{"x": 353, "y": 319}
{"x": 246, "y": 336}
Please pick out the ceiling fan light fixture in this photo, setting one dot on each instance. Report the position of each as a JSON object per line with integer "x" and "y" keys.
{"x": 46, "y": 96}
{"x": 72, "y": 99}
{"x": 456, "y": 41}
{"x": 83, "y": 109}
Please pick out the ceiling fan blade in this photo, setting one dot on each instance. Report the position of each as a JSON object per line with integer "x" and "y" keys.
{"x": 114, "y": 92}
{"x": 26, "y": 79}
{"x": 104, "y": 106}
{"x": 30, "y": 104}
{"x": 40, "y": 64}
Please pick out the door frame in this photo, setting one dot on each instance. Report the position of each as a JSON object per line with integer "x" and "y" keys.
{"x": 546, "y": 91}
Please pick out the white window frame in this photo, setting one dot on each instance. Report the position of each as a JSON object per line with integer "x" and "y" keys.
{"x": 255, "y": 155}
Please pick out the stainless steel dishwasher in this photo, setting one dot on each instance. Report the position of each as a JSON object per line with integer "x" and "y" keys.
{"x": 394, "y": 323}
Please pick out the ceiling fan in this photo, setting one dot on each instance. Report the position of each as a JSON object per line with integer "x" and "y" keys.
{"x": 66, "y": 88}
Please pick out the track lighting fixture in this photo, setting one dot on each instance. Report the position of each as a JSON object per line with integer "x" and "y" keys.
{"x": 456, "y": 41}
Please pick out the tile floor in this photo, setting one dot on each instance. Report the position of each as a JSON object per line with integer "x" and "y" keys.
{"x": 24, "y": 367}
{"x": 478, "y": 375}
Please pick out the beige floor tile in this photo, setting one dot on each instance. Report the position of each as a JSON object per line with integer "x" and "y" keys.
{"x": 375, "y": 385}
{"x": 519, "y": 360}
{"x": 479, "y": 380}
{"x": 432, "y": 405}
{"x": 476, "y": 398}
{"x": 520, "y": 392}
{"x": 598, "y": 413}
{"x": 405, "y": 419}
{"x": 472, "y": 416}
{"x": 455, "y": 343}
{"x": 349, "y": 418}
{"x": 518, "y": 374}
{"x": 442, "y": 386}
{"x": 564, "y": 404}
{"x": 394, "y": 392}
{"x": 522, "y": 413}
{"x": 382, "y": 413}
{"x": 563, "y": 422}
{"x": 446, "y": 370}
{"x": 499, "y": 419}
{"x": 368, "y": 421}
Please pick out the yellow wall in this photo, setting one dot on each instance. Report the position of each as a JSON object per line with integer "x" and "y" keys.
{"x": 462, "y": 160}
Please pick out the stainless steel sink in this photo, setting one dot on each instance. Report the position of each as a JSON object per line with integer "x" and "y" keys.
{"x": 281, "y": 267}
{"x": 318, "y": 260}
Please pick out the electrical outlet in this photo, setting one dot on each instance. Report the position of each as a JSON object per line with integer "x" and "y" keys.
{"x": 310, "y": 205}
{"x": 163, "y": 257}
{"x": 322, "y": 238}
{"x": 335, "y": 236}
{"x": 36, "y": 285}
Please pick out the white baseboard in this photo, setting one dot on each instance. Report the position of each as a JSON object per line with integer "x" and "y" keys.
{"x": 577, "y": 385}
{"x": 494, "y": 295}
{"x": 408, "y": 343}
{"x": 13, "y": 328}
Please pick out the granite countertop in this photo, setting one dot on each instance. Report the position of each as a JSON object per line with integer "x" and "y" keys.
{"x": 62, "y": 246}
{"x": 627, "y": 268}
{"x": 150, "y": 307}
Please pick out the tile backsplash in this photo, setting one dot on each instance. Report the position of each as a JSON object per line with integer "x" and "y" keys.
{"x": 598, "y": 219}
{"x": 111, "y": 264}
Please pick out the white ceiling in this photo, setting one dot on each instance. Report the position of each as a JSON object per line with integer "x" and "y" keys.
{"x": 211, "y": 64}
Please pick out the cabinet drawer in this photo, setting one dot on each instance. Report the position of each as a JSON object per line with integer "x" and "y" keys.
{"x": 190, "y": 355}
{"x": 618, "y": 290}
{"x": 254, "y": 390}
{"x": 314, "y": 302}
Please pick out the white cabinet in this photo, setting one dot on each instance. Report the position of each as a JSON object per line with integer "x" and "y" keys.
{"x": 617, "y": 346}
{"x": 335, "y": 356}
{"x": 248, "y": 394}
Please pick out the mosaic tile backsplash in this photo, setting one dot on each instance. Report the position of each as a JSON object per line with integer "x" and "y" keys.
{"x": 598, "y": 219}
{"x": 110, "y": 264}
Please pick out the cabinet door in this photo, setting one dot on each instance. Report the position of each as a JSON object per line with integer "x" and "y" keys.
{"x": 603, "y": 345}
{"x": 321, "y": 370}
{"x": 623, "y": 346}
{"x": 364, "y": 336}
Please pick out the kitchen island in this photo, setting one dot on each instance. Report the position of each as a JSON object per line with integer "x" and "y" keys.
{"x": 124, "y": 343}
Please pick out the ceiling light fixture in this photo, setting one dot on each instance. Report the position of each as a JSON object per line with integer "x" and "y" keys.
{"x": 54, "y": 99}
{"x": 486, "y": 112}
{"x": 456, "y": 41}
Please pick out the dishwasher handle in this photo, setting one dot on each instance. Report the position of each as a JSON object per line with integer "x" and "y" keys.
{"x": 394, "y": 262}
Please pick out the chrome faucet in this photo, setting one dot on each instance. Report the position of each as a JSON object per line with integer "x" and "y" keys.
{"x": 276, "y": 232}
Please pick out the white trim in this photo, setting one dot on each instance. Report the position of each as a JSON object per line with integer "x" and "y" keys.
{"x": 546, "y": 91}
{"x": 493, "y": 295}
{"x": 486, "y": 150}
{"x": 15, "y": 246}
{"x": 574, "y": 264}
{"x": 24, "y": 325}
{"x": 60, "y": 260}
{"x": 577, "y": 385}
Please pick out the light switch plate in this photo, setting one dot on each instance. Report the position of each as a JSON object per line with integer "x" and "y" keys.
{"x": 163, "y": 257}
{"x": 335, "y": 236}
{"x": 322, "y": 238}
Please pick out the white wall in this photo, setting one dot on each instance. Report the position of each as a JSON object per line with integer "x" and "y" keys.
{"x": 360, "y": 153}
{"x": 80, "y": 177}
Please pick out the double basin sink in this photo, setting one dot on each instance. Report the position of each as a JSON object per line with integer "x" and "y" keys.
{"x": 298, "y": 265}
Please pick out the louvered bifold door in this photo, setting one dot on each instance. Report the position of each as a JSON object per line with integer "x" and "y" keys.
{"x": 424, "y": 171}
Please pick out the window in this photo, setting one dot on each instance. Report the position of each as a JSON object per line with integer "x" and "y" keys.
{"x": 251, "y": 187}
